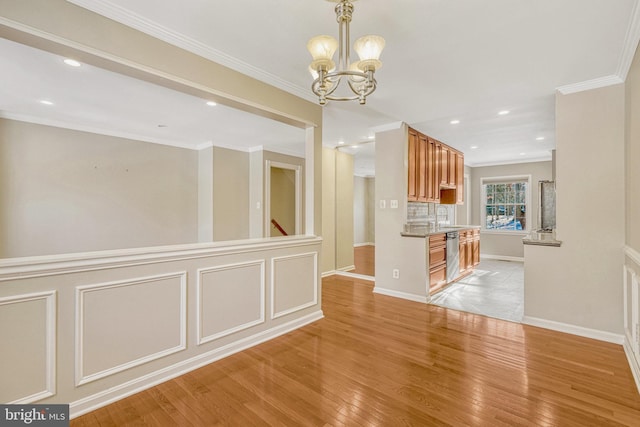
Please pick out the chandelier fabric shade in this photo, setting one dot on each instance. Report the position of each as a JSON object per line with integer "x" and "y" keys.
{"x": 359, "y": 75}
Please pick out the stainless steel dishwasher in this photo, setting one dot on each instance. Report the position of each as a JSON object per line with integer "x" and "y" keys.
{"x": 453, "y": 256}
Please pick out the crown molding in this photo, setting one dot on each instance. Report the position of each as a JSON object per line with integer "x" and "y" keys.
{"x": 95, "y": 130}
{"x": 135, "y": 21}
{"x": 630, "y": 42}
{"x": 508, "y": 162}
{"x": 590, "y": 84}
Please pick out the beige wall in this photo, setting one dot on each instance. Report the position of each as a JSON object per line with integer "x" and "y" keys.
{"x": 68, "y": 191}
{"x": 363, "y": 210}
{"x": 579, "y": 283}
{"x": 328, "y": 210}
{"x": 344, "y": 211}
{"x": 406, "y": 254}
{"x": 632, "y": 155}
{"x": 495, "y": 243}
{"x": 230, "y": 194}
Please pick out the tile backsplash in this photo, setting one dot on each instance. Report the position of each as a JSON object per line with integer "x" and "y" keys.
{"x": 423, "y": 213}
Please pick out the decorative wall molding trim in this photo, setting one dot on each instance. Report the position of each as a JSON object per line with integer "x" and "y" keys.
{"x": 50, "y": 265}
{"x": 314, "y": 301}
{"x": 398, "y": 294}
{"x": 133, "y": 20}
{"x": 50, "y": 342}
{"x": 590, "y": 84}
{"x": 80, "y": 376}
{"x": 95, "y": 401}
{"x": 574, "y": 330}
{"x": 200, "y": 309}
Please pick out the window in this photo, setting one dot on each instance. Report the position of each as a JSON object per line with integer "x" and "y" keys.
{"x": 505, "y": 203}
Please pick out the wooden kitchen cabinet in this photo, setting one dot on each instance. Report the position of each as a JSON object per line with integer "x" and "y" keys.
{"x": 437, "y": 261}
{"x": 435, "y": 171}
{"x": 460, "y": 179}
{"x": 475, "y": 251}
{"x": 412, "y": 181}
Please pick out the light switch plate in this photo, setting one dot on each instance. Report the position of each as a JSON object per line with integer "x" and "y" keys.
{"x": 394, "y": 204}
{"x": 383, "y": 204}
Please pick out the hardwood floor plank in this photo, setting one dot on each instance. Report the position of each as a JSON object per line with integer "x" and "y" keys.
{"x": 378, "y": 360}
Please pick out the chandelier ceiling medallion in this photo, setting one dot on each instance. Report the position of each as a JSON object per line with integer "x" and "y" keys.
{"x": 359, "y": 75}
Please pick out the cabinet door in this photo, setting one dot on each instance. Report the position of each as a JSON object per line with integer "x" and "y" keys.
{"x": 433, "y": 171}
{"x": 452, "y": 168}
{"x": 476, "y": 249}
{"x": 462, "y": 254}
{"x": 422, "y": 166}
{"x": 460, "y": 179}
{"x": 444, "y": 164}
{"x": 412, "y": 191}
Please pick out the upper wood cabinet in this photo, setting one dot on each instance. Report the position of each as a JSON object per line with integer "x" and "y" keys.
{"x": 435, "y": 171}
{"x": 460, "y": 179}
{"x": 412, "y": 179}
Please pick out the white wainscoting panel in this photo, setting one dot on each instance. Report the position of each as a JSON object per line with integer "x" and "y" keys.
{"x": 28, "y": 353}
{"x": 631, "y": 312}
{"x": 294, "y": 283}
{"x": 230, "y": 298}
{"x": 126, "y": 323}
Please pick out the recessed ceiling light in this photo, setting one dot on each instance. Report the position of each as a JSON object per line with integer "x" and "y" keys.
{"x": 454, "y": 122}
{"x": 540, "y": 138}
{"x": 523, "y": 154}
{"x": 473, "y": 147}
{"x": 503, "y": 112}
{"x": 45, "y": 102}
{"x": 211, "y": 104}
{"x": 72, "y": 62}
{"x": 340, "y": 142}
{"x": 371, "y": 137}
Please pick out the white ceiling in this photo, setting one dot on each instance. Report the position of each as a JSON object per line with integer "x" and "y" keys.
{"x": 465, "y": 60}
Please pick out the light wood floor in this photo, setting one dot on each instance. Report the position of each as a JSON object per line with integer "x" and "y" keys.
{"x": 364, "y": 258}
{"x": 375, "y": 360}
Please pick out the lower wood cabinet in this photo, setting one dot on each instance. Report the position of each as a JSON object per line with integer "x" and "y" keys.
{"x": 437, "y": 261}
{"x": 469, "y": 256}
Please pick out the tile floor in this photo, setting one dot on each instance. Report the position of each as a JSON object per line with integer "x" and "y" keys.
{"x": 495, "y": 289}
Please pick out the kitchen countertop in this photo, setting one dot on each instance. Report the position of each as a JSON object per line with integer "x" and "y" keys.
{"x": 422, "y": 230}
{"x": 541, "y": 238}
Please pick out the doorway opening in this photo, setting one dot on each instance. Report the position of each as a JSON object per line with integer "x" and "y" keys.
{"x": 283, "y": 199}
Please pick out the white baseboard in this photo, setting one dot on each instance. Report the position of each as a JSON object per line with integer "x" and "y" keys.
{"x": 356, "y": 276}
{"x": 328, "y": 273}
{"x": 502, "y": 258}
{"x": 98, "y": 400}
{"x": 634, "y": 363}
{"x": 357, "y": 245}
{"x": 398, "y": 294}
{"x": 575, "y": 330}
{"x": 347, "y": 268}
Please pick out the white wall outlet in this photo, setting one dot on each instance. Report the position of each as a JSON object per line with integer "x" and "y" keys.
{"x": 396, "y": 273}
{"x": 257, "y": 205}
{"x": 394, "y": 204}
{"x": 383, "y": 204}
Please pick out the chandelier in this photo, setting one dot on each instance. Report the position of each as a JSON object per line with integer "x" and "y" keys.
{"x": 358, "y": 75}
